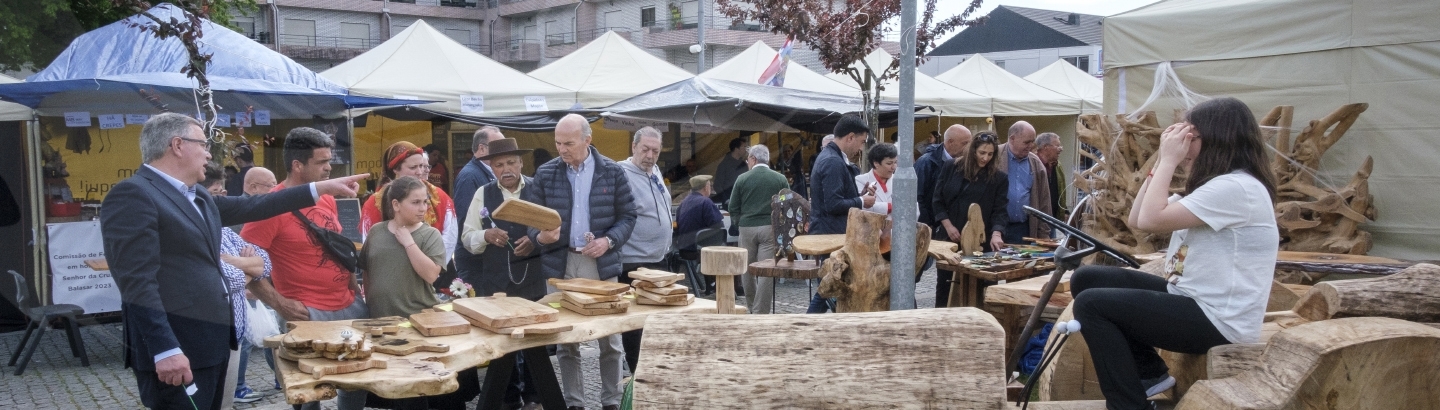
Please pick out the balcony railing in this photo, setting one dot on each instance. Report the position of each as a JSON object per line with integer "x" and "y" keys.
{"x": 582, "y": 36}
{"x": 446, "y": 3}
{"x": 692, "y": 22}
{"x": 515, "y": 50}
{"x": 327, "y": 42}
{"x": 479, "y": 48}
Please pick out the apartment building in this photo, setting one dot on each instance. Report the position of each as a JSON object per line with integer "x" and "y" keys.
{"x": 523, "y": 34}
{"x": 1023, "y": 40}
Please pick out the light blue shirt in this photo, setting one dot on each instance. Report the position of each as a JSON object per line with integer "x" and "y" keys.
{"x": 1021, "y": 180}
{"x": 580, "y": 181}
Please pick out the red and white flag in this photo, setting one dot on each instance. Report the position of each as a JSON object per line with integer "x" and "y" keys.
{"x": 774, "y": 75}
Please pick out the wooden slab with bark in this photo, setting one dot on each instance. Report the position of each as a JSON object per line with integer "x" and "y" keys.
{"x": 819, "y": 245}
{"x": 320, "y": 367}
{"x": 1349, "y": 363}
{"x": 858, "y": 275}
{"x": 645, "y": 284}
{"x": 430, "y": 373}
{"x": 805, "y": 361}
{"x": 591, "y": 286}
{"x": 682, "y": 302}
{"x": 651, "y": 275}
{"x": 527, "y": 213}
{"x": 671, "y": 289}
{"x": 501, "y": 311}
{"x": 380, "y": 325}
{"x": 1412, "y": 294}
{"x": 646, "y": 294}
{"x": 590, "y": 298}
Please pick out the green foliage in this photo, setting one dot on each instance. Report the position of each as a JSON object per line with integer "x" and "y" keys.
{"x": 33, "y": 32}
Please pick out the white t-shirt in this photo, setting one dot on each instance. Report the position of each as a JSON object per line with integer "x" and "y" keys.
{"x": 1228, "y": 263}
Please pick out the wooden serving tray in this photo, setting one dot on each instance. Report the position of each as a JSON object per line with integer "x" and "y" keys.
{"x": 500, "y": 311}
{"x": 592, "y": 286}
{"x": 441, "y": 323}
{"x": 527, "y": 213}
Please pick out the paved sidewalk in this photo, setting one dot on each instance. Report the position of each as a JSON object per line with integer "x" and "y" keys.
{"x": 55, "y": 380}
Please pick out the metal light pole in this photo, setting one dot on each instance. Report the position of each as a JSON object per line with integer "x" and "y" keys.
{"x": 902, "y": 234}
{"x": 700, "y": 33}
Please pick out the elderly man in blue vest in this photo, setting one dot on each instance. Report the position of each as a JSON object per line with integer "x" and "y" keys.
{"x": 598, "y": 214}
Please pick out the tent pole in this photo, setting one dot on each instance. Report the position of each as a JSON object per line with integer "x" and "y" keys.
{"x": 902, "y": 235}
{"x": 41, "y": 251}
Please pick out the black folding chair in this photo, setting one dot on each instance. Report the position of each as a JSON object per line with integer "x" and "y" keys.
{"x": 39, "y": 318}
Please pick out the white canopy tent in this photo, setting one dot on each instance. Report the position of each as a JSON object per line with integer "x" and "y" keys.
{"x": 1064, "y": 78}
{"x": 425, "y": 64}
{"x": 1315, "y": 55}
{"x": 945, "y": 99}
{"x": 1009, "y": 95}
{"x": 13, "y": 111}
{"x": 608, "y": 70}
{"x": 747, "y": 66}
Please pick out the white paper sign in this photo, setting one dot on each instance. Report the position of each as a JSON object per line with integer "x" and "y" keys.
{"x": 472, "y": 104}
{"x": 536, "y": 103}
{"x": 242, "y": 119}
{"x": 77, "y": 119}
{"x": 262, "y": 117}
{"x": 222, "y": 120}
{"x": 112, "y": 121}
{"x": 74, "y": 282}
{"x": 406, "y": 97}
{"x": 136, "y": 119}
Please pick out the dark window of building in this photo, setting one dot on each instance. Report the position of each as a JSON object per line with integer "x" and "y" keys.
{"x": 1080, "y": 62}
{"x": 647, "y": 17}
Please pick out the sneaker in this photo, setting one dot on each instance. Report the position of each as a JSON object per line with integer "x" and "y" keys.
{"x": 1157, "y": 385}
{"x": 243, "y": 394}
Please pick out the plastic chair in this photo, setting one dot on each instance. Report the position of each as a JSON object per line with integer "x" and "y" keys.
{"x": 39, "y": 319}
{"x": 688, "y": 250}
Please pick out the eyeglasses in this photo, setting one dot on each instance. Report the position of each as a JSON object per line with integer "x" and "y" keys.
{"x": 203, "y": 143}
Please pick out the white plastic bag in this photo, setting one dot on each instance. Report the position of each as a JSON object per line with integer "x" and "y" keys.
{"x": 262, "y": 324}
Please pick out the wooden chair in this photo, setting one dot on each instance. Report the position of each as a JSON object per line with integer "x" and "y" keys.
{"x": 39, "y": 318}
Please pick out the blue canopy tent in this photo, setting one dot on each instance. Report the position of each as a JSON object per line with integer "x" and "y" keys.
{"x": 120, "y": 69}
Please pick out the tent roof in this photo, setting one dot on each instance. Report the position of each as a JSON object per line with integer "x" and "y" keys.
{"x": 423, "y": 63}
{"x": 111, "y": 69}
{"x": 747, "y": 66}
{"x": 608, "y": 70}
{"x": 1064, "y": 78}
{"x": 1009, "y": 95}
{"x": 743, "y": 106}
{"x": 11, "y": 111}
{"x": 945, "y": 99}
{"x": 1184, "y": 30}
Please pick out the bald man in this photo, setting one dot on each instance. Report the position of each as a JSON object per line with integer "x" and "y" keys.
{"x": 258, "y": 181}
{"x": 1029, "y": 184}
{"x": 957, "y": 139}
{"x": 597, "y": 213}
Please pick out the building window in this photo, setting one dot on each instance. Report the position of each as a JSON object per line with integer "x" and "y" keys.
{"x": 647, "y": 17}
{"x": 460, "y": 36}
{"x": 245, "y": 25}
{"x": 1080, "y": 62}
{"x": 299, "y": 32}
{"x": 354, "y": 35}
{"x": 1000, "y": 63}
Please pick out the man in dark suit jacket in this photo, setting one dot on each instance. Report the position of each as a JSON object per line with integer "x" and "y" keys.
{"x": 162, "y": 240}
{"x": 476, "y": 173}
{"x": 832, "y": 186}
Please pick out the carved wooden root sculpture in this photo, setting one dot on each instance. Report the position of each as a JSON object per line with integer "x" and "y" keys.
{"x": 1353, "y": 363}
{"x": 858, "y": 274}
{"x": 1310, "y": 218}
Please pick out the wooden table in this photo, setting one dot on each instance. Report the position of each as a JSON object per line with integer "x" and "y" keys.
{"x": 968, "y": 289}
{"x": 799, "y": 269}
{"x": 428, "y": 374}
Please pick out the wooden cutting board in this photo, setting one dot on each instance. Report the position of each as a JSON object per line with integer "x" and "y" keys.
{"x": 528, "y": 214}
{"x": 606, "y": 305}
{"x": 665, "y": 290}
{"x": 598, "y": 287}
{"x": 590, "y": 298}
{"x": 686, "y": 302}
{"x": 590, "y": 312}
{"x": 388, "y": 325}
{"x": 401, "y": 346}
{"x": 651, "y": 285}
{"x": 500, "y": 311}
{"x": 321, "y": 367}
{"x": 442, "y": 323}
{"x": 646, "y": 294}
{"x": 652, "y": 275}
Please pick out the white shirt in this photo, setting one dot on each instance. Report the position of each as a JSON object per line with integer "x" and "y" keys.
{"x": 1228, "y": 263}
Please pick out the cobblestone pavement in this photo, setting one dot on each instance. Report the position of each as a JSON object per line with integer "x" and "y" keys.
{"x": 55, "y": 380}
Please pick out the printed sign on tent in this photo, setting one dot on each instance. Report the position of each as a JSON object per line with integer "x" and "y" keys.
{"x": 262, "y": 117}
{"x": 77, "y": 119}
{"x": 536, "y": 103}
{"x": 74, "y": 247}
{"x": 112, "y": 121}
{"x": 138, "y": 119}
{"x": 222, "y": 120}
{"x": 242, "y": 119}
{"x": 472, "y": 104}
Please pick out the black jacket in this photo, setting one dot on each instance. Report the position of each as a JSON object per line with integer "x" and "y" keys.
{"x": 832, "y": 191}
{"x": 927, "y": 168}
{"x": 612, "y": 212}
{"x": 954, "y": 194}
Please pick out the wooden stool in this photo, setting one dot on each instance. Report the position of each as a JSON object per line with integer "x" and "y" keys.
{"x": 724, "y": 261}
{"x": 798, "y": 269}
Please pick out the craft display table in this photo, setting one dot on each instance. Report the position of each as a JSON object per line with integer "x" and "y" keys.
{"x": 426, "y": 373}
{"x": 968, "y": 289}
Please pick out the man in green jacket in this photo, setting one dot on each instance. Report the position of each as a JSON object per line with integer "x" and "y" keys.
{"x": 750, "y": 208}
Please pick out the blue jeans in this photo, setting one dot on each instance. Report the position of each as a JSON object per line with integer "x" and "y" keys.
{"x": 820, "y": 304}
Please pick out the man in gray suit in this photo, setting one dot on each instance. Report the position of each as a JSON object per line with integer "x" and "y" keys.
{"x": 162, "y": 240}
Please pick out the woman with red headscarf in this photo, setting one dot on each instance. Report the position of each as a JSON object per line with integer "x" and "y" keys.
{"x": 401, "y": 159}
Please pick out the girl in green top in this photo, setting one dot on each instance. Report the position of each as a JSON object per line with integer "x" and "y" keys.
{"x": 402, "y": 254}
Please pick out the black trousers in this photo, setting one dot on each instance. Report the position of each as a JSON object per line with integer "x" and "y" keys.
{"x": 209, "y": 382}
{"x": 1125, "y": 315}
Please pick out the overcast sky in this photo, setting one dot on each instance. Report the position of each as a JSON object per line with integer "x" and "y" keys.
{"x": 947, "y": 8}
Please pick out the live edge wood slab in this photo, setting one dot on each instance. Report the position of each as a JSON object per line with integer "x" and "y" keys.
{"x": 425, "y": 373}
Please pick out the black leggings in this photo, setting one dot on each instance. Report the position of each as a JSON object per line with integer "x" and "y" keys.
{"x": 1126, "y": 314}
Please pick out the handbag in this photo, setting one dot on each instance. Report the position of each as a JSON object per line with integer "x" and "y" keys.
{"x": 339, "y": 248}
